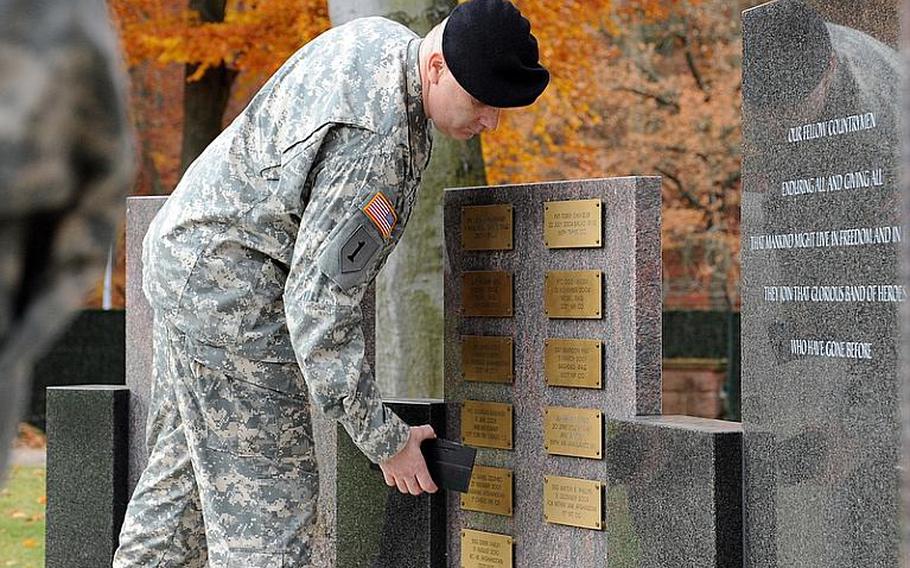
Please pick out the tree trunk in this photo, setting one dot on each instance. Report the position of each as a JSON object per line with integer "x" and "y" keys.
{"x": 409, "y": 290}
{"x": 205, "y": 100}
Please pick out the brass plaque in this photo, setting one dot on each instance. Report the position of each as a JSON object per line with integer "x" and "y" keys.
{"x": 573, "y": 294}
{"x": 573, "y": 363}
{"x": 485, "y": 550}
{"x": 572, "y": 224}
{"x": 573, "y": 502}
{"x": 490, "y": 491}
{"x": 574, "y": 432}
{"x": 486, "y": 359}
{"x": 487, "y": 294}
{"x": 486, "y": 227}
{"x": 486, "y": 424}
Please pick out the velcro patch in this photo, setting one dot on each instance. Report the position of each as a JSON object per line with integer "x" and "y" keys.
{"x": 381, "y": 212}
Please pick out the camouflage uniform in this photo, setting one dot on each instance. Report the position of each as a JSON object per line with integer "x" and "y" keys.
{"x": 256, "y": 267}
{"x": 66, "y": 161}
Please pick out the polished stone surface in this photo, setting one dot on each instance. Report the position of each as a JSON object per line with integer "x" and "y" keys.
{"x": 674, "y": 496}
{"x": 820, "y": 285}
{"x": 370, "y": 524}
{"x": 630, "y": 329}
{"x": 86, "y": 473}
{"x": 905, "y": 311}
{"x": 139, "y": 214}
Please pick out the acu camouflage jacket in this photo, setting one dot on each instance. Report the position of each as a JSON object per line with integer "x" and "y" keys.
{"x": 262, "y": 254}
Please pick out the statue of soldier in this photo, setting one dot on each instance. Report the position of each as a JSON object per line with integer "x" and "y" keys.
{"x": 257, "y": 265}
{"x": 66, "y": 163}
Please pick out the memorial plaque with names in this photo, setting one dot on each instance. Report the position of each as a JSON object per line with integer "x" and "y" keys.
{"x": 487, "y": 359}
{"x": 576, "y": 432}
{"x": 573, "y": 502}
{"x": 490, "y": 491}
{"x": 486, "y": 227}
{"x": 574, "y": 363}
{"x": 573, "y": 294}
{"x": 486, "y": 424}
{"x": 485, "y": 550}
{"x": 487, "y": 294}
{"x": 572, "y": 224}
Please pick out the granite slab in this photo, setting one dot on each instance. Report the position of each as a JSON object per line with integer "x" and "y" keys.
{"x": 820, "y": 288}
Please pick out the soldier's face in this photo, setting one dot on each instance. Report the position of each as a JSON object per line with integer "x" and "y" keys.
{"x": 455, "y": 112}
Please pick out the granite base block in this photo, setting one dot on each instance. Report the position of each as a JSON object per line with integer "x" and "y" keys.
{"x": 366, "y": 524}
{"x": 674, "y": 496}
{"x": 87, "y": 454}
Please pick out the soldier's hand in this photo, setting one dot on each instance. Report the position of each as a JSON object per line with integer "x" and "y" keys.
{"x": 407, "y": 469}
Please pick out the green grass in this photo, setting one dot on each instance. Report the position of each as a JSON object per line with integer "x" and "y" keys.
{"x": 22, "y": 518}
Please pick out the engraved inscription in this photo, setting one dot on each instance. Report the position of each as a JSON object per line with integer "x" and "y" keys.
{"x": 487, "y": 359}
{"x": 486, "y": 227}
{"x": 485, "y": 550}
{"x": 573, "y": 502}
{"x": 572, "y": 224}
{"x": 573, "y": 294}
{"x": 574, "y": 432}
{"x": 573, "y": 363}
{"x": 486, "y": 424}
{"x": 490, "y": 491}
{"x": 863, "y": 236}
{"x": 487, "y": 294}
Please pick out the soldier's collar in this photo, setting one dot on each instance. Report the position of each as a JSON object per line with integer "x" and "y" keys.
{"x": 419, "y": 138}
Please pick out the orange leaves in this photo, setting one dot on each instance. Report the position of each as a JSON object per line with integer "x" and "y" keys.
{"x": 538, "y": 143}
{"x": 254, "y": 36}
{"x": 645, "y": 87}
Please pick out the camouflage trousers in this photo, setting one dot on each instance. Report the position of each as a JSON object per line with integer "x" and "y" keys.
{"x": 231, "y": 480}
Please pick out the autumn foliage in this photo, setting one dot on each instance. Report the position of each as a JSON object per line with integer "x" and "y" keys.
{"x": 649, "y": 87}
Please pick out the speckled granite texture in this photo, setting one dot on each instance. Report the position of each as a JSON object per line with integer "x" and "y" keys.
{"x": 364, "y": 523}
{"x": 630, "y": 328}
{"x": 674, "y": 497}
{"x": 86, "y": 473}
{"x": 139, "y": 214}
{"x": 821, "y": 89}
{"x": 905, "y": 313}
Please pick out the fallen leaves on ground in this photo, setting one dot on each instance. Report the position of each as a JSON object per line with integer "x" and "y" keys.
{"x": 30, "y": 437}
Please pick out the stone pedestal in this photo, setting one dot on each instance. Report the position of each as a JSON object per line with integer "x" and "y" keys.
{"x": 86, "y": 473}
{"x": 675, "y": 492}
{"x": 628, "y": 325}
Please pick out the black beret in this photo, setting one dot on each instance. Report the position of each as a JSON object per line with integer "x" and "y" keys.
{"x": 488, "y": 47}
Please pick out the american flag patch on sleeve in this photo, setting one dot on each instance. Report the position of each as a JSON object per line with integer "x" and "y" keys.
{"x": 380, "y": 211}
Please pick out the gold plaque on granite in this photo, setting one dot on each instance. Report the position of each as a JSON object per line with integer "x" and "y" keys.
{"x": 486, "y": 424}
{"x": 573, "y": 363}
{"x": 490, "y": 491}
{"x": 573, "y": 502}
{"x": 485, "y": 550}
{"x": 572, "y": 224}
{"x": 487, "y": 294}
{"x": 574, "y": 432}
{"x": 573, "y": 294}
{"x": 486, "y": 227}
{"x": 486, "y": 359}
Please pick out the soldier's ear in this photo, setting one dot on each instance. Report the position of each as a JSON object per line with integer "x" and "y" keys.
{"x": 436, "y": 66}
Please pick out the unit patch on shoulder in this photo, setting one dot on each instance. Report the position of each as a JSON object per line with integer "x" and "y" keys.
{"x": 381, "y": 212}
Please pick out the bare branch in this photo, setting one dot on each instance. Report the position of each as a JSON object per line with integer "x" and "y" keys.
{"x": 662, "y": 101}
